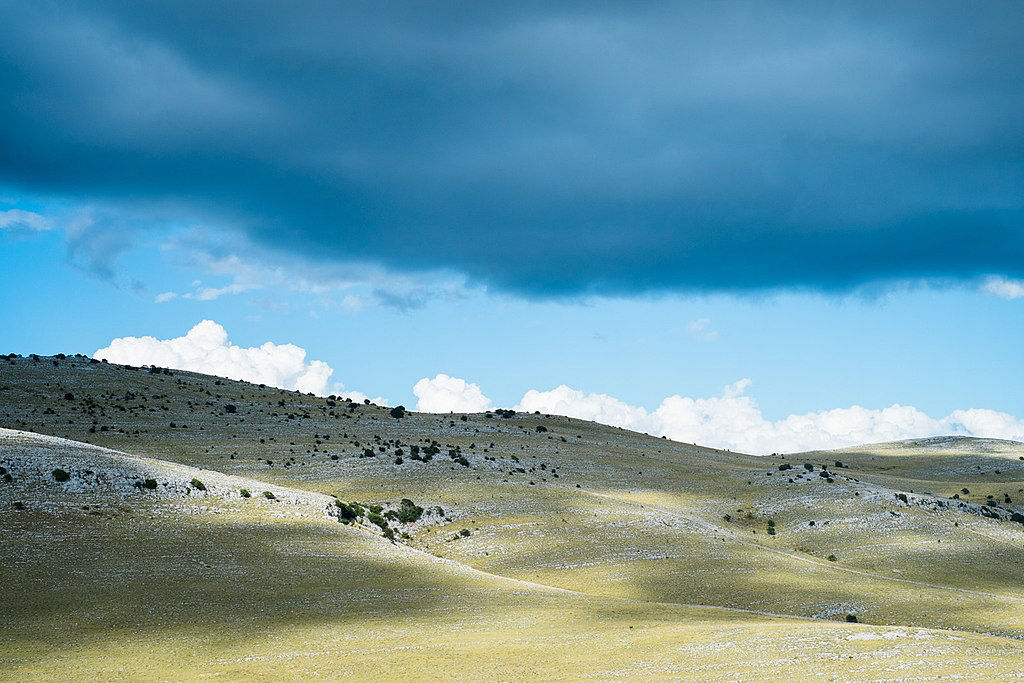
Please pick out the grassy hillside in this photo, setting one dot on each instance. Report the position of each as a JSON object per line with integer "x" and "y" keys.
{"x": 547, "y": 546}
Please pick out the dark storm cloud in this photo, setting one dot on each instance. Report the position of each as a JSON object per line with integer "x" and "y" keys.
{"x": 544, "y": 148}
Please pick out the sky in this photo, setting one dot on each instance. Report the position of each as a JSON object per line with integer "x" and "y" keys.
{"x": 757, "y": 227}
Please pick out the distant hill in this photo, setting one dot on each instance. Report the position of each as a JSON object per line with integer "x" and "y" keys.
{"x": 524, "y": 545}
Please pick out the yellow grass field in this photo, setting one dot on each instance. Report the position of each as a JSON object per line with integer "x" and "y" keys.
{"x": 545, "y": 548}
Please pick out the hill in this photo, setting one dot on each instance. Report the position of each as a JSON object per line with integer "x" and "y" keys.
{"x": 529, "y": 545}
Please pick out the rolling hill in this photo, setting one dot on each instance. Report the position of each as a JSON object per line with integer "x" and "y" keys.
{"x": 163, "y": 524}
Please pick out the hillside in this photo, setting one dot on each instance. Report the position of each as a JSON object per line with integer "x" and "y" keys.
{"x": 546, "y": 546}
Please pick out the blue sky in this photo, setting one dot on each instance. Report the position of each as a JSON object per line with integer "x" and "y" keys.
{"x": 820, "y": 201}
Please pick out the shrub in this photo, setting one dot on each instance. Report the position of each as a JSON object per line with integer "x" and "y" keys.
{"x": 851, "y": 618}
{"x": 409, "y": 512}
{"x": 346, "y": 512}
{"x": 464, "y": 533}
{"x": 245, "y": 493}
{"x": 375, "y": 518}
{"x": 69, "y": 396}
{"x": 230, "y": 408}
{"x": 833, "y": 558}
{"x": 269, "y": 495}
{"x": 149, "y": 484}
{"x": 785, "y": 466}
{"x": 198, "y": 485}
{"x": 398, "y": 412}
{"x": 61, "y": 475}
{"x": 541, "y": 428}
{"x": 902, "y": 497}
{"x": 398, "y": 460}
{"x": 462, "y": 461}
{"x": 1017, "y": 517}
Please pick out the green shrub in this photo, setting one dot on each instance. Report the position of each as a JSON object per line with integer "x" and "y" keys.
{"x": 398, "y": 412}
{"x": 245, "y": 493}
{"x": 464, "y": 533}
{"x": 851, "y": 618}
{"x": 833, "y": 558}
{"x": 346, "y": 513}
{"x": 198, "y": 485}
{"x": 375, "y": 518}
{"x": 61, "y": 475}
{"x": 269, "y": 495}
{"x": 902, "y": 497}
{"x": 149, "y": 484}
{"x": 409, "y": 512}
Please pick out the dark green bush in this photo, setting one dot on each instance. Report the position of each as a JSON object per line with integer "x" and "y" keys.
{"x": 409, "y": 512}
{"x": 398, "y": 412}
{"x": 464, "y": 533}
{"x": 269, "y": 495}
{"x": 851, "y": 618}
{"x": 375, "y": 518}
{"x": 61, "y": 475}
{"x": 245, "y": 493}
{"x": 198, "y": 485}
{"x": 149, "y": 484}
{"x": 346, "y": 512}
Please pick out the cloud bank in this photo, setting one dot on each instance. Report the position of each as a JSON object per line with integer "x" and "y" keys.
{"x": 732, "y": 420}
{"x": 445, "y": 394}
{"x": 205, "y": 348}
{"x": 551, "y": 149}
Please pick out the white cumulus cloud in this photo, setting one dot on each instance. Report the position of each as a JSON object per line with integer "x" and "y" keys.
{"x": 205, "y": 348}
{"x": 734, "y": 421}
{"x": 1005, "y": 288}
{"x": 445, "y": 394}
